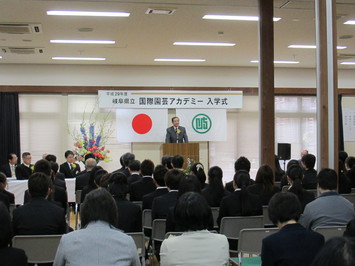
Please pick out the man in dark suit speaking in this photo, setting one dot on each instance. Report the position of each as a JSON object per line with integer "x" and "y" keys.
{"x": 176, "y": 133}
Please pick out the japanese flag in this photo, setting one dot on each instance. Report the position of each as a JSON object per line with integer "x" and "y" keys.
{"x": 141, "y": 125}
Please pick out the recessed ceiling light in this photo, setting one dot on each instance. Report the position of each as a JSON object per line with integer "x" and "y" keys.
{"x": 87, "y": 13}
{"x": 347, "y": 63}
{"x": 178, "y": 60}
{"x": 350, "y": 22}
{"x": 231, "y": 17}
{"x": 78, "y": 58}
{"x": 278, "y": 62}
{"x": 205, "y": 43}
{"x": 302, "y": 46}
{"x": 0, "y": 57}
{"x": 84, "y": 41}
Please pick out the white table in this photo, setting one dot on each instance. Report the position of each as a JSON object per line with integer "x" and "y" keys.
{"x": 18, "y": 188}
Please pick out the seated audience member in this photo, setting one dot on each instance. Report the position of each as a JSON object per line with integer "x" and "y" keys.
{"x": 215, "y": 191}
{"x": 329, "y": 208}
{"x": 344, "y": 186}
{"x": 158, "y": 179}
{"x": 240, "y": 202}
{"x": 162, "y": 204}
{"x": 196, "y": 246}
{"x": 105, "y": 181}
{"x": 24, "y": 170}
{"x": 284, "y": 180}
{"x": 57, "y": 181}
{"x": 95, "y": 175}
{"x": 129, "y": 214}
{"x": 134, "y": 169}
{"x": 5, "y": 196}
{"x": 241, "y": 164}
{"x": 39, "y": 216}
{"x": 293, "y": 244}
{"x": 166, "y": 161}
{"x": 70, "y": 169}
{"x": 199, "y": 171}
{"x": 295, "y": 175}
{"x": 350, "y": 169}
{"x": 9, "y": 169}
{"x": 350, "y": 229}
{"x": 83, "y": 179}
{"x": 98, "y": 242}
{"x": 336, "y": 251}
{"x": 279, "y": 173}
{"x": 127, "y": 158}
{"x": 145, "y": 185}
{"x": 9, "y": 256}
{"x": 310, "y": 175}
{"x": 264, "y": 184}
{"x": 51, "y": 158}
{"x": 177, "y": 162}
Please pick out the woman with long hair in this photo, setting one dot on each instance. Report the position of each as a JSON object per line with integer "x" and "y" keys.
{"x": 215, "y": 191}
{"x": 199, "y": 171}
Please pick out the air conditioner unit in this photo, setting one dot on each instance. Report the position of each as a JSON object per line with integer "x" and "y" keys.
{"x": 22, "y": 50}
{"x": 20, "y": 28}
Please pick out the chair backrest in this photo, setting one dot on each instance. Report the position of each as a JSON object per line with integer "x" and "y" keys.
{"x": 11, "y": 209}
{"x": 147, "y": 219}
{"x": 266, "y": 220}
{"x": 314, "y": 191}
{"x": 285, "y": 188}
{"x": 38, "y": 248}
{"x": 330, "y": 231}
{"x": 350, "y": 197}
{"x": 352, "y": 190}
{"x": 173, "y": 234}
{"x": 250, "y": 239}
{"x": 78, "y": 196}
{"x": 215, "y": 213}
{"x": 139, "y": 203}
{"x": 158, "y": 229}
{"x": 231, "y": 226}
{"x": 139, "y": 240}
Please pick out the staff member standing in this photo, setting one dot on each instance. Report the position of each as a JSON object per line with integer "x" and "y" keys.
{"x": 176, "y": 133}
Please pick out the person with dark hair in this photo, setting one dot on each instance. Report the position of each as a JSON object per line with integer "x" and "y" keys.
{"x": 310, "y": 175}
{"x": 24, "y": 170}
{"x": 264, "y": 184}
{"x": 96, "y": 173}
{"x": 145, "y": 185}
{"x": 39, "y": 216}
{"x": 9, "y": 256}
{"x": 98, "y": 242}
{"x": 215, "y": 191}
{"x": 279, "y": 173}
{"x": 295, "y": 176}
{"x": 51, "y": 158}
{"x": 9, "y": 169}
{"x": 240, "y": 202}
{"x": 166, "y": 161}
{"x": 284, "y": 180}
{"x": 344, "y": 186}
{"x": 127, "y": 158}
{"x": 129, "y": 214}
{"x": 330, "y": 208}
{"x": 196, "y": 246}
{"x": 83, "y": 179}
{"x": 134, "y": 169}
{"x": 176, "y": 133}
{"x": 199, "y": 171}
{"x": 350, "y": 169}
{"x": 57, "y": 181}
{"x": 177, "y": 162}
{"x": 293, "y": 244}
{"x": 242, "y": 163}
{"x": 350, "y": 229}
{"x": 5, "y": 196}
{"x": 336, "y": 251}
{"x": 70, "y": 169}
{"x": 158, "y": 179}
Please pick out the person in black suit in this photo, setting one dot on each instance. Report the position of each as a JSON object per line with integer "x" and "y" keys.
{"x": 176, "y": 133}
{"x": 293, "y": 244}
{"x": 69, "y": 168}
{"x": 215, "y": 191}
{"x": 9, "y": 256}
{"x": 158, "y": 175}
{"x": 83, "y": 179}
{"x": 144, "y": 186}
{"x": 127, "y": 158}
{"x": 242, "y": 163}
{"x": 310, "y": 175}
{"x": 39, "y": 216}
{"x": 24, "y": 170}
{"x": 134, "y": 168}
{"x": 6, "y": 196}
{"x": 9, "y": 169}
{"x": 129, "y": 214}
{"x": 57, "y": 180}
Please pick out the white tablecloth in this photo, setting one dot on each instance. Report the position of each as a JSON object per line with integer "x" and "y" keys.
{"x": 18, "y": 188}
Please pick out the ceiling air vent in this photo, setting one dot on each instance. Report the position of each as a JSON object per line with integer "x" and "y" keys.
{"x": 160, "y": 11}
{"x": 22, "y": 50}
{"x": 23, "y": 28}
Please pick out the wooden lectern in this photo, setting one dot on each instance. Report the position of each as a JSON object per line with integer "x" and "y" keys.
{"x": 187, "y": 150}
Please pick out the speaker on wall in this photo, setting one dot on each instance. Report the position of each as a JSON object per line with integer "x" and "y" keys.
{"x": 284, "y": 151}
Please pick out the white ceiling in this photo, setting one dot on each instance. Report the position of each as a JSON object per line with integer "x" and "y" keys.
{"x": 140, "y": 38}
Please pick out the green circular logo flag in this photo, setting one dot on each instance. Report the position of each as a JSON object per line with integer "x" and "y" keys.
{"x": 201, "y": 123}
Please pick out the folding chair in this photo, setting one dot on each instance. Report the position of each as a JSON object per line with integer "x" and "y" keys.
{"x": 158, "y": 230}
{"x": 77, "y": 207}
{"x": 350, "y": 197}
{"x": 231, "y": 226}
{"x": 147, "y": 221}
{"x": 266, "y": 220}
{"x": 353, "y": 190}
{"x": 139, "y": 240}
{"x": 215, "y": 213}
{"x": 330, "y": 231}
{"x": 139, "y": 203}
{"x": 314, "y": 191}
{"x": 38, "y": 248}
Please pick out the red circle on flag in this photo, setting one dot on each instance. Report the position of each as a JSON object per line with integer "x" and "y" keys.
{"x": 142, "y": 124}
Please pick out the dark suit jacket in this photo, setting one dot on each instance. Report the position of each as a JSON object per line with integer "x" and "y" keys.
{"x": 82, "y": 180}
{"x": 293, "y": 245}
{"x": 162, "y": 204}
{"x": 173, "y": 137}
{"x": 59, "y": 198}
{"x": 60, "y": 183}
{"x": 60, "y": 176}
{"x": 69, "y": 173}
{"x": 133, "y": 178}
{"x": 6, "y": 169}
{"x": 39, "y": 217}
{"x": 309, "y": 180}
{"x": 265, "y": 197}
{"x": 129, "y": 216}
{"x": 229, "y": 186}
{"x": 140, "y": 188}
{"x": 305, "y": 197}
{"x": 12, "y": 257}
{"x": 212, "y": 199}
{"x": 147, "y": 201}
{"x": 23, "y": 172}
